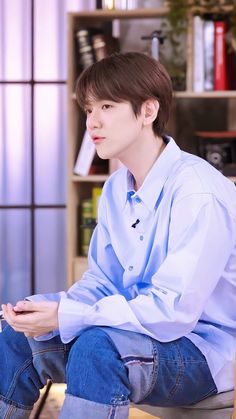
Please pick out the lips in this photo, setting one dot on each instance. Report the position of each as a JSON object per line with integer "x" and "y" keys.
{"x": 97, "y": 139}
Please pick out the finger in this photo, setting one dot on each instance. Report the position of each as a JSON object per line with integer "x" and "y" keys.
{"x": 9, "y": 306}
{"x": 22, "y": 306}
{"x": 5, "y": 314}
{"x": 28, "y": 306}
{"x": 8, "y": 311}
{"x": 17, "y": 322}
{"x": 9, "y": 315}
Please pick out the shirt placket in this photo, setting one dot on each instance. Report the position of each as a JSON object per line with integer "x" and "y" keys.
{"x": 138, "y": 223}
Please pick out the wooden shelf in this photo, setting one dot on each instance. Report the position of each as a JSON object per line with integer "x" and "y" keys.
{"x": 215, "y": 9}
{"x": 188, "y": 94}
{"x": 90, "y": 178}
{"x": 122, "y": 14}
{"x": 103, "y": 178}
{"x": 206, "y": 95}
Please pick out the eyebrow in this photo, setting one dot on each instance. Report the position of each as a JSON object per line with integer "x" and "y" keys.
{"x": 90, "y": 103}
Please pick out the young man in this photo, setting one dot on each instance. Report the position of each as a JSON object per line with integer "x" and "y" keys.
{"x": 153, "y": 318}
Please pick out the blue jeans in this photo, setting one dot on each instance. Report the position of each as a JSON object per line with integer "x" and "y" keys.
{"x": 104, "y": 369}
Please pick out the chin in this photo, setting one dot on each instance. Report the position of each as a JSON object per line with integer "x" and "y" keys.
{"x": 104, "y": 155}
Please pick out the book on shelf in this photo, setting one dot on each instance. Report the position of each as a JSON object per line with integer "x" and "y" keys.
{"x": 96, "y": 194}
{"x": 88, "y": 218}
{"x": 92, "y": 45}
{"x": 231, "y": 64}
{"x": 87, "y": 225}
{"x": 198, "y": 54}
{"x": 208, "y": 45}
{"x": 220, "y": 75}
{"x": 85, "y": 156}
{"x": 95, "y": 43}
{"x": 87, "y": 161}
{"x": 99, "y": 46}
{"x": 85, "y": 49}
{"x": 214, "y": 59}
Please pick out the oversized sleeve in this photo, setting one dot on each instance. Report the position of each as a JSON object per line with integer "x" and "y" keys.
{"x": 102, "y": 279}
{"x": 200, "y": 240}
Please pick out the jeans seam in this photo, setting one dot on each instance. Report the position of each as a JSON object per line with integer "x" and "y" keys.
{"x": 113, "y": 408}
{"x": 42, "y": 351}
{"x": 116, "y": 349}
{"x": 179, "y": 375}
{"x": 16, "y": 375}
{"x": 210, "y": 393}
{"x": 112, "y": 412}
{"x": 12, "y": 403}
{"x": 154, "y": 373}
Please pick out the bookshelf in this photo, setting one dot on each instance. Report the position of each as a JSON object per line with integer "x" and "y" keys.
{"x": 80, "y": 188}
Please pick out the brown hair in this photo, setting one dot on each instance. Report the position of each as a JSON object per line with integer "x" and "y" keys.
{"x": 133, "y": 77}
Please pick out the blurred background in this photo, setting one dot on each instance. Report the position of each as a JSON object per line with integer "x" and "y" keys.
{"x": 33, "y": 152}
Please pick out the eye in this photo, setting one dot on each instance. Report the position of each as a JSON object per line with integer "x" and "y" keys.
{"x": 87, "y": 111}
{"x": 106, "y": 106}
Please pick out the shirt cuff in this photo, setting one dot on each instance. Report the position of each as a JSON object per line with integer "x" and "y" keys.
{"x": 70, "y": 318}
{"x": 47, "y": 297}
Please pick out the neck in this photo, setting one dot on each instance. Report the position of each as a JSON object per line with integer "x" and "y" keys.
{"x": 139, "y": 161}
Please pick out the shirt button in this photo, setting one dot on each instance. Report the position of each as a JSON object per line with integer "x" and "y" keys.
{"x": 130, "y": 194}
{"x": 141, "y": 238}
{"x": 131, "y": 268}
{"x": 138, "y": 200}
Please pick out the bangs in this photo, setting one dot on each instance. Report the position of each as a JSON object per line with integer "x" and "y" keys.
{"x": 98, "y": 82}
{"x": 131, "y": 77}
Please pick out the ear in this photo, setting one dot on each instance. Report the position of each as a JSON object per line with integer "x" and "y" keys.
{"x": 150, "y": 110}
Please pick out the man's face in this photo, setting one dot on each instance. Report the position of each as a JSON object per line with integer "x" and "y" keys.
{"x": 113, "y": 128}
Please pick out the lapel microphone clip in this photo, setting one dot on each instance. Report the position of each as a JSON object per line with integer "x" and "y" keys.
{"x": 136, "y": 222}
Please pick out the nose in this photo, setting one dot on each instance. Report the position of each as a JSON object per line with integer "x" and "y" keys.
{"x": 93, "y": 120}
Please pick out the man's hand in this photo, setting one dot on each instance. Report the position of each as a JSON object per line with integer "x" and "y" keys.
{"x": 32, "y": 318}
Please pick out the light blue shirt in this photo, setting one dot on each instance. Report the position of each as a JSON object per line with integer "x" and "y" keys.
{"x": 172, "y": 275}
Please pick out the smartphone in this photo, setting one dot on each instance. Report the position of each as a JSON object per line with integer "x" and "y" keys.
{"x": 1, "y": 315}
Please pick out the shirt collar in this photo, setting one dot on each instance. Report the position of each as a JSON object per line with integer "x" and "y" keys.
{"x": 153, "y": 183}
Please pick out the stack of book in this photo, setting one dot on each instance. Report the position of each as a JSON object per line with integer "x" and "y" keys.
{"x": 93, "y": 45}
{"x": 213, "y": 61}
{"x": 87, "y": 225}
{"x": 88, "y": 219}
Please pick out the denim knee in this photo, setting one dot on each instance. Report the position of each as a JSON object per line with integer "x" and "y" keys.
{"x": 182, "y": 375}
{"x": 20, "y": 383}
{"x": 95, "y": 370}
{"x": 49, "y": 359}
